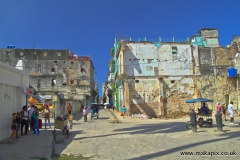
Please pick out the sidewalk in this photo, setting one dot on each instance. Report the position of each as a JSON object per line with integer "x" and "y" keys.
{"x": 28, "y": 147}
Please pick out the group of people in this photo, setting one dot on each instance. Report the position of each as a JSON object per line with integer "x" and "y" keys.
{"x": 90, "y": 110}
{"x": 221, "y": 108}
{"x": 27, "y": 118}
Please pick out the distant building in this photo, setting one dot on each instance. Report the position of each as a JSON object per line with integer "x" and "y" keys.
{"x": 207, "y": 37}
{"x": 52, "y": 71}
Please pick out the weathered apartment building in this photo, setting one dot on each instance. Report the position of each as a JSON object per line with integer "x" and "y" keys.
{"x": 56, "y": 71}
{"x": 156, "y": 78}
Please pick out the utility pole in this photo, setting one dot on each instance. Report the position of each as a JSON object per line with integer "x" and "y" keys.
{"x": 214, "y": 71}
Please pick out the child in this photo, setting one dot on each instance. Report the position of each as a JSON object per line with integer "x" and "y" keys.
{"x": 85, "y": 114}
{"x": 14, "y": 127}
{"x": 18, "y": 122}
{"x": 124, "y": 110}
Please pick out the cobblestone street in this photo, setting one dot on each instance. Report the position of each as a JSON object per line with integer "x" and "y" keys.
{"x": 144, "y": 139}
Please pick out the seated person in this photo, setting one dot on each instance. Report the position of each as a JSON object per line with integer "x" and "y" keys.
{"x": 204, "y": 109}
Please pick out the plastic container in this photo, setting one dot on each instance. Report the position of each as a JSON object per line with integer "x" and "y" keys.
{"x": 232, "y": 72}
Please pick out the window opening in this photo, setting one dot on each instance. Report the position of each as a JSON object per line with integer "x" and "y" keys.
{"x": 39, "y": 68}
{"x": 174, "y": 50}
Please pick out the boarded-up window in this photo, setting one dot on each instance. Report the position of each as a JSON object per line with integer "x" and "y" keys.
{"x": 149, "y": 68}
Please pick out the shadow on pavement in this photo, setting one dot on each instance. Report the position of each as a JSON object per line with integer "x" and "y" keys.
{"x": 225, "y": 136}
{"x": 169, "y": 127}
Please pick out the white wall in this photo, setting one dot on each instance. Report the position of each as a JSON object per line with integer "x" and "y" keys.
{"x": 175, "y": 64}
{"x": 12, "y": 98}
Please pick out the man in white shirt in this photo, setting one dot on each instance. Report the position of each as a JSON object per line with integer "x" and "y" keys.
{"x": 30, "y": 111}
{"x": 231, "y": 112}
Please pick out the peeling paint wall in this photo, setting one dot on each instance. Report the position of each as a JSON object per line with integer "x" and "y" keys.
{"x": 141, "y": 59}
{"x": 175, "y": 59}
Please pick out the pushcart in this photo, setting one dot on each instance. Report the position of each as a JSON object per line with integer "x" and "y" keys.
{"x": 62, "y": 124}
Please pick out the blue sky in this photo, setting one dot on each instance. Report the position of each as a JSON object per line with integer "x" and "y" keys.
{"x": 88, "y": 27}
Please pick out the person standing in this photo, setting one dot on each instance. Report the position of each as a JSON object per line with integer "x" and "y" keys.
{"x": 35, "y": 115}
{"x": 85, "y": 114}
{"x": 223, "y": 108}
{"x": 69, "y": 108}
{"x": 231, "y": 112}
{"x": 25, "y": 120}
{"x": 14, "y": 126}
{"x": 124, "y": 110}
{"x": 30, "y": 110}
{"x": 47, "y": 116}
{"x": 218, "y": 107}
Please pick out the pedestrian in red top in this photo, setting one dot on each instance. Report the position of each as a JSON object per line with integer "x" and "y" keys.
{"x": 218, "y": 107}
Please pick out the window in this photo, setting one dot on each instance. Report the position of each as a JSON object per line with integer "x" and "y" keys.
{"x": 53, "y": 68}
{"x": 174, "y": 50}
{"x": 59, "y": 54}
{"x": 44, "y": 54}
{"x": 39, "y": 83}
{"x": 136, "y": 81}
{"x": 21, "y": 54}
{"x": 172, "y": 81}
{"x": 82, "y": 69}
{"x": 72, "y": 62}
{"x": 72, "y": 82}
{"x": 39, "y": 68}
{"x": 54, "y": 61}
{"x": 54, "y": 82}
{"x": 34, "y": 52}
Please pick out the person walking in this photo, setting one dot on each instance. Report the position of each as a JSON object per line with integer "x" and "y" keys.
{"x": 25, "y": 120}
{"x": 46, "y": 113}
{"x": 13, "y": 127}
{"x": 231, "y": 112}
{"x": 85, "y": 114}
{"x": 124, "y": 110}
{"x": 223, "y": 108}
{"x": 35, "y": 115}
{"x": 69, "y": 108}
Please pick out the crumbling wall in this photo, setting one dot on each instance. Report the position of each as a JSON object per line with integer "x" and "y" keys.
{"x": 144, "y": 96}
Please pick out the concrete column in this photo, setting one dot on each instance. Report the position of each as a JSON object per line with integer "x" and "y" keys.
{"x": 126, "y": 96}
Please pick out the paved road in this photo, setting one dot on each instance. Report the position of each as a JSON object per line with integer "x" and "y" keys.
{"x": 144, "y": 139}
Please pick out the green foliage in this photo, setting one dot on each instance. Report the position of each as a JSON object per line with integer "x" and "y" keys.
{"x": 112, "y": 62}
{"x": 73, "y": 89}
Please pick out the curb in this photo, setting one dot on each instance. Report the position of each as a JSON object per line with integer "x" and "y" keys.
{"x": 48, "y": 153}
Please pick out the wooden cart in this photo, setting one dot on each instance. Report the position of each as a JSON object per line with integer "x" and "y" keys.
{"x": 62, "y": 124}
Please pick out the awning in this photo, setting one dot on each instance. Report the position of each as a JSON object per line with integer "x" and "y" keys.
{"x": 199, "y": 100}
